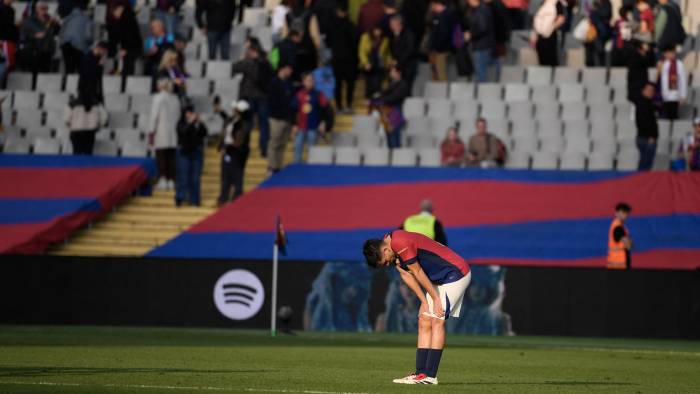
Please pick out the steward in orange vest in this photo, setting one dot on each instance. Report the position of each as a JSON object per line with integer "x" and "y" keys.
{"x": 619, "y": 241}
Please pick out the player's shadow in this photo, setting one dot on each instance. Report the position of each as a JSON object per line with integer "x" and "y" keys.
{"x": 545, "y": 383}
{"x": 53, "y": 371}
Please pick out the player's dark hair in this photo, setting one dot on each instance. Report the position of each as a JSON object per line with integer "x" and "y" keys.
{"x": 373, "y": 252}
{"x": 623, "y": 207}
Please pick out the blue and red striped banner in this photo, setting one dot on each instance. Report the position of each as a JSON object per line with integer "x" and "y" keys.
{"x": 491, "y": 216}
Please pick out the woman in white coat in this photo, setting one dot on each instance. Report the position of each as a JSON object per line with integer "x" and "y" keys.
{"x": 165, "y": 115}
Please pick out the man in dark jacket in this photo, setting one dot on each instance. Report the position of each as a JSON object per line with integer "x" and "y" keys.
{"x": 9, "y": 36}
{"x": 257, "y": 74}
{"x": 217, "y": 26}
{"x": 90, "y": 74}
{"x": 482, "y": 36}
{"x": 668, "y": 26}
{"x": 414, "y": 12}
{"x": 647, "y": 127}
{"x": 403, "y": 49}
{"x": 281, "y": 94}
{"x": 236, "y": 149}
{"x": 190, "y": 157}
{"x": 38, "y": 34}
{"x": 440, "y": 41}
{"x": 128, "y": 38}
{"x": 343, "y": 43}
{"x": 638, "y": 69}
{"x": 285, "y": 52}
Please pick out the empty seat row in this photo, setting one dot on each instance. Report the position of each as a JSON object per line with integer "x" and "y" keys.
{"x": 594, "y": 162}
{"x": 374, "y": 156}
{"x": 42, "y": 145}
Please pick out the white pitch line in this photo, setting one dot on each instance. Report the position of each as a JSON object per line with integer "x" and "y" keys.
{"x": 191, "y": 388}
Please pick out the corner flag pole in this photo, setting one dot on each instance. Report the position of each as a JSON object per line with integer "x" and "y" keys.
{"x": 273, "y": 324}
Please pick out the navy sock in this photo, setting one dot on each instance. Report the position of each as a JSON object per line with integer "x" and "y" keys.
{"x": 433, "y": 362}
{"x": 421, "y": 359}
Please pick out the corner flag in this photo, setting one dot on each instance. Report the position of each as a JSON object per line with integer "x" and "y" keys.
{"x": 281, "y": 237}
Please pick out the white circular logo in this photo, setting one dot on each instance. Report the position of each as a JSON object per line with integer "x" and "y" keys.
{"x": 239, "y": 294}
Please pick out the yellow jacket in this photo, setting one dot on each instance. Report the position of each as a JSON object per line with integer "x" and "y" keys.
{"x": 365, "y": 48}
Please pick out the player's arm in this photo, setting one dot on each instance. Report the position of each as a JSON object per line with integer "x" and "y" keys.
{"x": 422, "y": 279}
{"x": 412, "y": 284}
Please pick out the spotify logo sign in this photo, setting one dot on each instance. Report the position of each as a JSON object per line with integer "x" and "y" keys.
{"x": 239, "y": 294}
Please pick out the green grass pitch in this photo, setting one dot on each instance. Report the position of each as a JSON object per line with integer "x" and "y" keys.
{"x": 153, "y": 360}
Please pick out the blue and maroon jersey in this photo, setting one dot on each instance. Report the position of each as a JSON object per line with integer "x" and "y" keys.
{"x": 439, "y": 262}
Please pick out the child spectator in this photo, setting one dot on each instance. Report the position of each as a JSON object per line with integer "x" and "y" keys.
{"x": 689, "y": 152}
{"x": 309, "y": 105}
{"x": 452, "y": 149}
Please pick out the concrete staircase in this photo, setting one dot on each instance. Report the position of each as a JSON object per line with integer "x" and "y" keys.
{"x": 141, "y": 223}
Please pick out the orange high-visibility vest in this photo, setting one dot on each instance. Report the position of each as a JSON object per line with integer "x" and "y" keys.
{"x": 617, "y": 258}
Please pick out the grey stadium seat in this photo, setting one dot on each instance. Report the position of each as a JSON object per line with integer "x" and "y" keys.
{"x": 112, "y": 84}
{"x": 19, "y": 81}
{"x": 628, "y": 159}
{"x": 404, "y": 157}
{"x": 571, "y": 93}
{"x": 435, "y": 89}
{"x": 512, "y": 74}
{"x": 566, "y": 75}
{"x": 28, "y": 118}
{"x": 138, "y": 85}
{"x": 572, "y": 161}
{"x": 116, "y": 102}
{"x": 364, "y": 124}
{"x": 194, "y": 67}
{"x": 71, "y": 84}
{"x": 462, "y": 91}
{"x": 518, "y": 160}
{"x": 127, "y": 134}
{"x": 414, "y": 106}
{"x": 218, "y": 69}
{"x": 439, "y": 126}
{"x": 134, "y": 149}
{"x": 38, "y": 132}
{"x": 549, "y": 127}
{"x": 343, "y": 139}
{"x": 574, "y": 111}
{"x": 118, "y": 120}
{"x": 526, "y": 127}
{"x": 544, "y": 93}
{"x": 619, "y": 94}
{"x": 525, "y": 143}
{"x": 601, "y": 110}
{"x": 552, "y": 143}
{"x": 517, "y": 92}
{"x": 545, "y": 161}
{"x": 618, "y": 76}
{"x": 489, "y": 92}
{"x": 418, "y": 125}
{"x": 320, "y": 155}
{"x": 366, "y": 140}
{"x": 600, "y": 161}
{"x": 438, "y": 108}
{"x": 16, "y": 145}
{"x": 141, "y": 103}
{"x": 466, "y": 109}
{"x": 499, "y": 127}
{"x": 23, "y": 99}
{"x": 547, "y": 110}
{"x": 575, "y": 128}
{"x": 376, "y": 156}
{"x": 520, "y": 111}
{"x": 537, "y": 75}
{"x": 49, "y": 82}
{"x": 429, "y": 157}
{"x": 594, "y": 76}
{"x": 57, "y": 101}
{"x": 105, "y": 148}
{"x": 598, "y": 94}
{"x": 347, "y": 156}
{"x": 604, "y": 127}
{"x": 47, "y": 146}
{"x": 202, "y": 104}
{"x": 423, "y": 141}
{"x": 198, "y": 86}
{"x": 493, "y": 109}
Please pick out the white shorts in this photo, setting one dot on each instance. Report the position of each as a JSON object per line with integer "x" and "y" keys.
{"x": 451, "y": 295}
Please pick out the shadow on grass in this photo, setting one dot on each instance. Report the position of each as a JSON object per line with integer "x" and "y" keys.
{"x": 53, "y": 371}
{"x": 545, "y": 383}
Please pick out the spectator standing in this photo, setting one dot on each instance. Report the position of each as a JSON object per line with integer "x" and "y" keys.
{"x": 169, "y": 69}
{"x": 191, "y": 133}
{"x": 236, "y": 149}
{"x": 483, "y": 148}
{"x": 165, "y": 115}
{"x": 167, "y": 12}
{"x": 689, "y": 152}
{"x": 402, "y": 45}
{"x": 647, "y": 127}
{"x": 452, "y": 149}
{"x": 550, "y": 17}
{"x": 646, "y": 18}
{"x": 257, "y": 74}
{"x": 426, "y": 223}
{"x": 217, "y": 25}
{"x": 309, "y": 105}
{"x": 371, "y": 13}
{"x": 343, "y": 43}
{"x": 481, "y": 34}
{"x": 374, "y": 56}
{"x": 112, "y": 25}
{"x": 90, "y": 74}
{"x": 324, "y": 78}
{"x": 75, "y": 37}
{"x": 38, "y": 36}
{"x": 674, "y": 84}
{"x": 156, "y": 44}
{"x": 9, "y": 36}
{"x": 64, "y": 8}
{"x": 84, "y": 117}
{"x": 638, "y": 69}
{"x": 619, "y": 241}
{"x": 302, "y": 19}
{"x": 440, "y": 40}
{"x": 517, "y": 12}
{"x": 599, "y": 16}
{"x": 279, "y": 15}
{"x": 501, "y": 30}
{"x": 325, "y": 11}
{"x": 129, "y": 41}
{"x": 668, "y": 31}
{"x": 414, "y": 13}
{"x": 281, "y": 116}
{"x": 391, "y": 104}
{"x": 285, "y": 52}
{"x": 622, "y": 33}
